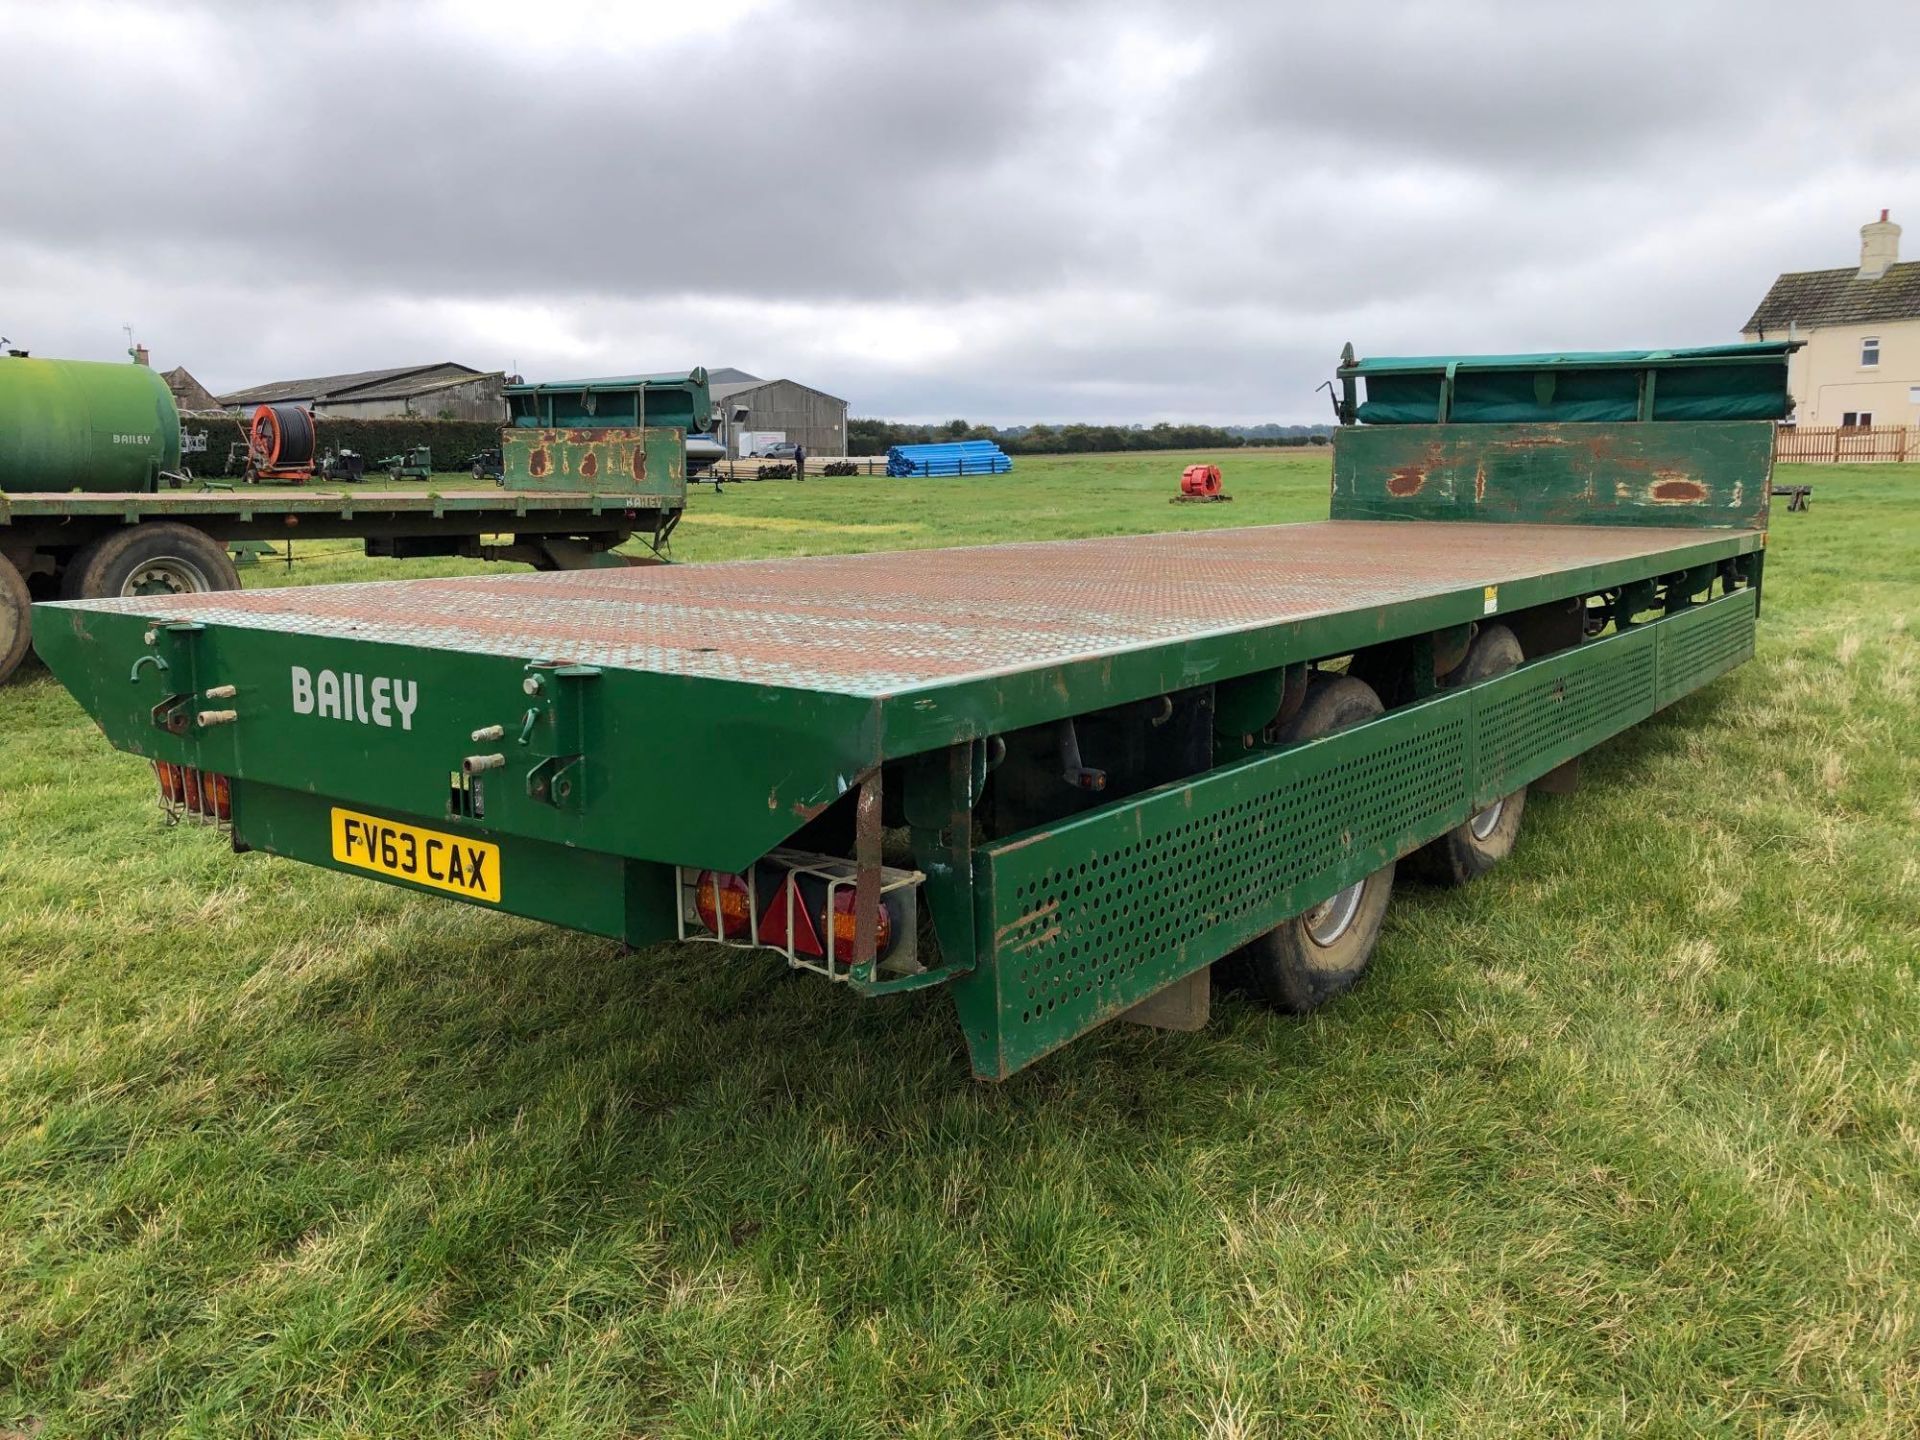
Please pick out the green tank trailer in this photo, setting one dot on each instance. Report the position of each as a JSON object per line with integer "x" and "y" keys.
{"x": 1067, "y": 782}
{"x": 78, "y": 425}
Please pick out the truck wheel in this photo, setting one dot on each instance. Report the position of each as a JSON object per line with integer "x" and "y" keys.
{"x": 1305, "y": 961}
{"x": 16, "y": 607}
{"x": 158, "y": 557}
{"x": 1484, "y": 840}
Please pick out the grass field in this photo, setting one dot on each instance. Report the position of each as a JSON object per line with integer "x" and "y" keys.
{"x": 1623, "y": 1139}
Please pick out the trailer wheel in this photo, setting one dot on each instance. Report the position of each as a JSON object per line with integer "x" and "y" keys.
{"x": 16, "y": 607}
{"x": 1485, "y": 839}
{"x": 1307, "y": 960}
{"x": 158, "y": 557}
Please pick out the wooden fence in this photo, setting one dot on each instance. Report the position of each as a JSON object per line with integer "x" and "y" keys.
{"x": 1845, "y": 444}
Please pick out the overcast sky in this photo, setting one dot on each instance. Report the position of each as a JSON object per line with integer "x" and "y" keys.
{"x": 1008, "y": 212}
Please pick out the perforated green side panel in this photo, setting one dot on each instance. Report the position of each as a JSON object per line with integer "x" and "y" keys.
{"x": 1696, "y": 645}
{"x": 1094, "y": 916}
{"x": 1091, "y": 917}
{"x": 1542, "y": 715}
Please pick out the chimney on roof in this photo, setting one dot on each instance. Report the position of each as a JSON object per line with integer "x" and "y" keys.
{"x": 1879, "y": 247}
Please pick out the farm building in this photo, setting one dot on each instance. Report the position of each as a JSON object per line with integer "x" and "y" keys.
{"x": 1861, "y": 363}
{"x": 189, "y": 395}
{"x": 751, "y": 406}
{"x": 446, "y": 391}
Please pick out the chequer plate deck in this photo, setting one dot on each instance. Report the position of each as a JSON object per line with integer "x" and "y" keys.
{"x": 880, "y": 623}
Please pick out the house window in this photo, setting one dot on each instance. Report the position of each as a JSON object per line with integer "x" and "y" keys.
{"x": 1869, "y": 352}
{"x": 1857, "y": 419}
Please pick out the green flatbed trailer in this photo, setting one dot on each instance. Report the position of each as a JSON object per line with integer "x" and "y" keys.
{"x": 415, "y": 522}
{"x": 147, "y": 541}
{"x": 84, "y": 516}
{"x": 1062, "y": 780}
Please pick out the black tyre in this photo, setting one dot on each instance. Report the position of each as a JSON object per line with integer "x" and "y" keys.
{"x": 1305, "y": 961}
{"x": 16, "y": 607}
{"x": 158, "y": 557}
{"x": 1475, "y": 847}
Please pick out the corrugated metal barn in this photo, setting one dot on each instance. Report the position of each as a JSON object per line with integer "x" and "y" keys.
{"x": 807, "y": 416}
{"x": 447, "y": 391}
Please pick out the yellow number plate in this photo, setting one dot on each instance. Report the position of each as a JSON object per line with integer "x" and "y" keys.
{"x": 426, "y": 857}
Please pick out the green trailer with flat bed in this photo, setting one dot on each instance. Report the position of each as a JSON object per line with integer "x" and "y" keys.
{"x": 92, "y": 504}
{"x": 1065, "y": 781}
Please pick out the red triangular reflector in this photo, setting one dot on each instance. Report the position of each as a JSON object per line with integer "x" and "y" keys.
{"x": 773, "y": 923}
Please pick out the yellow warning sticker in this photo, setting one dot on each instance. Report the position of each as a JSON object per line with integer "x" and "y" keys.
{"x": 1490, "y": 600}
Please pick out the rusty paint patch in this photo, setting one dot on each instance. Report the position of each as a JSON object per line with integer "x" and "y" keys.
{"x": 1043, "y": 939}
{"x": 539, "y": 463}
{"x": 867, "y": 865}
{"x": 639, "y": 462}
{"x": 1407, "y": 480}
{"x": 1675, "y": 491}
{"x": 589, "y": 465}
{"x": 1032, "y": 917}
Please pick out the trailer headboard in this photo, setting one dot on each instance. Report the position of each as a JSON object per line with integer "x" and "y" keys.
{"x": 1713, "y": 474}
{"x": 1619, "y": 437}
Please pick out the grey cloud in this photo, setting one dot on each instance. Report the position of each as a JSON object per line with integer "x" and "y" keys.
{"x": 1015, "y": 212}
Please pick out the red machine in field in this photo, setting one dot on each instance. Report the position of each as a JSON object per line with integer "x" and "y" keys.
{"x": 1200, "y": 482}
{"x": 280, "y": 445}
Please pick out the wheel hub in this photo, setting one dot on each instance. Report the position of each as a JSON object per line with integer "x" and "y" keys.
{"x": 166, "y": 575}
{"x": 1333, "y": 917}
{"x": 1488, "y": 820}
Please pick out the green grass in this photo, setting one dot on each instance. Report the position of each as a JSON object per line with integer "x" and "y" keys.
{"x": 1050, "y": 498}
{"x": 1623, "y": 1139}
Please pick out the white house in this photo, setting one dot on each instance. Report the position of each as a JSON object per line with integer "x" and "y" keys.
{"x": 1861, "y": 362}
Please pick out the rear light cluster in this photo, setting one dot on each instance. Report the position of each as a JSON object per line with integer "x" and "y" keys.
{"x": 798, "y": 916}
{"x": 187, "y": 793}
{"x": 804, "y": 906}
{"x": 725, "y": 905}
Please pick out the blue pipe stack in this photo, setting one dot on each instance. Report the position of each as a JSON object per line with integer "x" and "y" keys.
{"x": 956, "y": 457}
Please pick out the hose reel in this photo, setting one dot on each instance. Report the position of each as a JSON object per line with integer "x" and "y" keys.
{"x": 280, "y": 443}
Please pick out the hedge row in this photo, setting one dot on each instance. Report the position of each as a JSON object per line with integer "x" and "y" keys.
{"x": 874, "y": 437}
{"x": 453, "y": 441}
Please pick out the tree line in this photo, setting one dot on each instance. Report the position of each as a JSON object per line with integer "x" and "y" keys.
{"x": 871, "y": 437}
